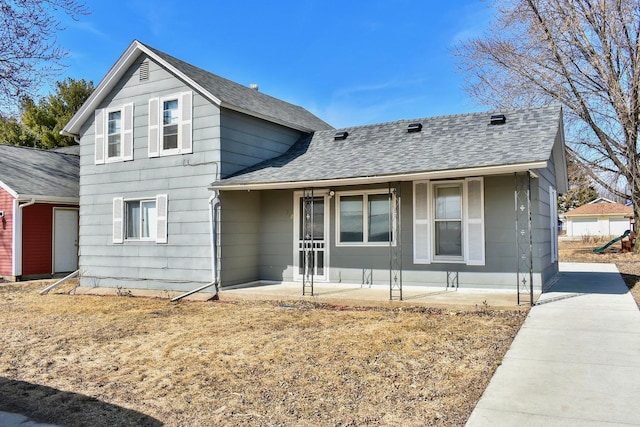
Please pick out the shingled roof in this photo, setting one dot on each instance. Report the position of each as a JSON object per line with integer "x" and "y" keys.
{"x": 461, "y": 145}
{"x": 601, "y": 208}
{"x": 218, "y": 90}
{"x": 43, "y": 174}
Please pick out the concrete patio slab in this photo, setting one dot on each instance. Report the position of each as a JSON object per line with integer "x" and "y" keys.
{"x": 575, "y": 360}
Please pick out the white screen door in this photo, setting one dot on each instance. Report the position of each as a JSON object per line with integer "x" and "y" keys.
{"x": 318, "y": 244}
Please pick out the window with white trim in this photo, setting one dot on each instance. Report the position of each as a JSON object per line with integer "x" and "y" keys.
{"x": 114, "y": 134}
{"x": 448, "y": 221}
{"x": 553, "y": 222}
{"x": 170, "y": 130}
{"x": 363, "y": 218}
{"x": 140, "y": 219}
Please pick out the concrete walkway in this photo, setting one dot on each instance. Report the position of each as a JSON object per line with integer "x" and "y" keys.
{"x": 576, "y": 360}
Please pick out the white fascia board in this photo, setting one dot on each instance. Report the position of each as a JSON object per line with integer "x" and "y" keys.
{"x": 8, "y": 189}
{"x": 112, "y": 78}
{"x": 49, "y": 199}
{"x": 379, "y": 179}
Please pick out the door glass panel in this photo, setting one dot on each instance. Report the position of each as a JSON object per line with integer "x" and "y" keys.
{"x": 318, "y": 218}
{"x": 320, "y": 263}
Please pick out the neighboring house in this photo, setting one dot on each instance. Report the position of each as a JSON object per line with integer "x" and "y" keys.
{"x": 38, "y": 212}
{"x": 424, "y": 202}
{"x": 601, "y": 217}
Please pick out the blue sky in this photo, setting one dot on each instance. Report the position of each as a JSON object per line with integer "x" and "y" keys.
{"x": 351, "y": 63}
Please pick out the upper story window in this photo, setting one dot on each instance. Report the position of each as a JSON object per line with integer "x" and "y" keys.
{"x": 170, "y": 125}
{"x": 170, "y": 120}
{"x": 114, "y": 134}
{"x": 363, "y": 218}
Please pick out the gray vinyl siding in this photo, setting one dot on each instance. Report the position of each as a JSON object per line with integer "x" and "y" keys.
{"x": 247, "y": 141}
{"x": 186, "y": 259}
{"x": 239, "y": 237}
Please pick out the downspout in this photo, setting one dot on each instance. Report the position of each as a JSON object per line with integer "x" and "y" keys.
{"x": 214, "y": 207}
{"x": 17, "y": 223}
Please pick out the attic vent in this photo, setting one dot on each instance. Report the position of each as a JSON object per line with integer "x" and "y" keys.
{"x": 414, "y": 127}
{"x": 498, "y": 119}
{"x": 341, "y": 135}
{"x": 144, "y": 71}
{"x": 254, "y": 86}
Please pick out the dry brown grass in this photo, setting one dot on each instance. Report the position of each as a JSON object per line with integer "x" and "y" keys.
{"x": 628, "y": 264}
{"x": 87, "y": 360}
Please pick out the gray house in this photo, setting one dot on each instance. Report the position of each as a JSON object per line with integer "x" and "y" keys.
{"x": 187, "y": 178}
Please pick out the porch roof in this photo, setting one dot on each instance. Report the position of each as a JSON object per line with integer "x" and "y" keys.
{"x": 446, "y": 146}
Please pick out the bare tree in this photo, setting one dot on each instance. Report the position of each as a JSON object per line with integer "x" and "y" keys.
{"x": 29, "y": 50}
{"x": 584, "y": 54}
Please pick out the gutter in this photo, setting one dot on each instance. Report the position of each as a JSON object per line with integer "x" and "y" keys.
{"x": 379, "y": 179}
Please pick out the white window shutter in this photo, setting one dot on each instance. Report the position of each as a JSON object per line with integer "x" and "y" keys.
{"x": 154, "y": 127}
{"x": 99, "y": 136}
{"x": 474, "y": 221}
{"x": 185, "y": 143}
{"x": 118, "y": 220}
{"x": 161, "y": 218}
{"x": 421, "y": 224}
{"x": 127, "y": 132}
{"x": 553, "y": 219}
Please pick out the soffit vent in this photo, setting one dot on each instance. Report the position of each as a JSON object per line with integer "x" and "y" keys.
{"x": 414, "y": 127}
{"x": 144, "y": 71}
{"x": 498, "y": 119}
{"x": 341, "y": 135}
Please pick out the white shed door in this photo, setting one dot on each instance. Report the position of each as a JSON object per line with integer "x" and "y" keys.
{"x": 617, "y": 226}
{"x": 65, "y": 240}
{"x": 585, "y": 227}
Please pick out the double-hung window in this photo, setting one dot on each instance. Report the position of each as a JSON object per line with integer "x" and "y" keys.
{"x": 170, "y": 130}
{"x": 448, "y": 221}
{"x": 363, "y": 218}
{"x": 140, "y": 219}
{"x": 114, "y": 134}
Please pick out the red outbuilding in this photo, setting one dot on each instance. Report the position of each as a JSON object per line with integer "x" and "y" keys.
{"x": 39, "y": 196}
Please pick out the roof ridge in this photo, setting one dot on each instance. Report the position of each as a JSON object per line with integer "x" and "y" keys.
{"x": 446, "y": 116}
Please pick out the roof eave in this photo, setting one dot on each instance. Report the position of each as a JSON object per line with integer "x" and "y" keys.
{"x": 379, "y": 179}
{"x": 48, "y": 199}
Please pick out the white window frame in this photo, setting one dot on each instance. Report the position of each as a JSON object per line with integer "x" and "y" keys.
{"x": 102, "y": 134}
{"x": 184, "y": 125}
{"x": 448, "y": 184}
{"x": 120, "y": 219}
{"x": 118, "y": 158}
{"x": 126, "y": 219}
{"x": 424, "y": 224}
{"x": 170, "y": 151}
{"x": 365, "y": 214}
{"x": 553, "y": 222}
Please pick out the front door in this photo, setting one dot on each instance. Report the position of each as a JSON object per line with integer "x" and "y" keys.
{"x": 65, "y": 240}
{"x": 316, "y": 239}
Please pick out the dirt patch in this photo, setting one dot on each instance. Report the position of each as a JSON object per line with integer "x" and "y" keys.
{"x": 628, "y": 263}
{"x": 239, "y": 362}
